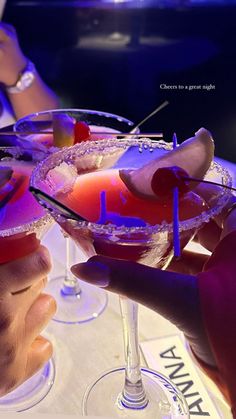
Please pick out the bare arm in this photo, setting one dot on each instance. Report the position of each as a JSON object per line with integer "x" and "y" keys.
{"x": 38, "y": 96}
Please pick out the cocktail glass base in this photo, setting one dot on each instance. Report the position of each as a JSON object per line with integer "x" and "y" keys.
{"x": 31, "y": 392}
{"x": 165, "y": 401}
{"x": 85, "y": 306}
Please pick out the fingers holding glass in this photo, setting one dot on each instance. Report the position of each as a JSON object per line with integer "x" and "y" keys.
{"x": 17, "y": 343}
{"x": 21, "y": 363}
{"x": 24, "y": 313}
{"x": 22, "y": 273}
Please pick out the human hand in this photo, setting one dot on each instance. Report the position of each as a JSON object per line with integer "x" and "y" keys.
{"x": 24, "y": 313}
{"x": 12, "y": 59}
{"x": 174, "y": 293}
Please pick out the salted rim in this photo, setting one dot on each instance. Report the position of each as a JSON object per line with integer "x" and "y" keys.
{"x": 32, "y": 226}
{"x": 98, "y": 148}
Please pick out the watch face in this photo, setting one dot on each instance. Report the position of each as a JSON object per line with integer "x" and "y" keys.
{"x": 26, "y": 80}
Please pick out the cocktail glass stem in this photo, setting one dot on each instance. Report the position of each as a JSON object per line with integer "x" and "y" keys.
{"x": 133, "y": 395}
{"x": 77, "y": 302}
{"x": 70, "y": 285}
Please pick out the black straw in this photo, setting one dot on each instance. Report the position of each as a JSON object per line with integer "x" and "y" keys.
{"x": 54, "y": 204}
{"x": 193, "y": 179}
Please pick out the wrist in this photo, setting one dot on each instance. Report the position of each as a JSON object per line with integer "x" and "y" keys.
{"x": 13, "y": 69}
{"x": 24, "y": 80}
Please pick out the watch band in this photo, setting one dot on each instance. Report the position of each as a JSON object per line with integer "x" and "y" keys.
{"x": 25, "y": 79}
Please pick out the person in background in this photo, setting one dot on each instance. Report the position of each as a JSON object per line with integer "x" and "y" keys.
{"x": 197, "y": 293}
{"x": 24, "y": 309}
{"x": 22, "y": 91}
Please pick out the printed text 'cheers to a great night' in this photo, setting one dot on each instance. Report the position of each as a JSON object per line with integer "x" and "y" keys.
{"x": 188, "y": 87}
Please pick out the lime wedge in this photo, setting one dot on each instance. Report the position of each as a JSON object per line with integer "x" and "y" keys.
{"x": 63, "y": 130}
{"x": 193, "y": 155}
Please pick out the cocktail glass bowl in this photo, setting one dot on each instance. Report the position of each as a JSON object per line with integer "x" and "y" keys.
{"x": 130, "y": 391}
{"x": 30, "y": 127}
{"x": 77, "y": 302}
{"x": 21, "y": 230}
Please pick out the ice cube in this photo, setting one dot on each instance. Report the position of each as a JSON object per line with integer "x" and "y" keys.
{"x": 61, "y": 178}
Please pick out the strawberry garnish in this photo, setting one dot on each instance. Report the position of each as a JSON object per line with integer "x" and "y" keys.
{"x": 81, "y": 132}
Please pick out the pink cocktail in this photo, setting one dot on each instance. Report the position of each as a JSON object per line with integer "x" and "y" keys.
{"x": 77, "y": 302}
{"x": 39, "y": 127}
{"x": 23, "y": 222}
{"x": 102, "y": 198}
{"x": 117, "y": 224}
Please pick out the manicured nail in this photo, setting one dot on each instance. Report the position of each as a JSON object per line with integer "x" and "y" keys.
{"x": 124, "y": 173}
{"x": 95, "y": 273}
{"x": 199, "y": 131}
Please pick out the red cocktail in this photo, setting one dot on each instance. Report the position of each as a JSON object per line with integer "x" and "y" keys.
{"x": 77, "y": 302}
{"x": 23, "y": 220}
{"x": 102, "y": 198}
{"x": 85, "y": 179}
{"x": 66, "y": 127}
{"x": 22, "y": 224}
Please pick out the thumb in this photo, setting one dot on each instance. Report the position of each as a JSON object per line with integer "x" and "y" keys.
{"x": 173, "y": 295}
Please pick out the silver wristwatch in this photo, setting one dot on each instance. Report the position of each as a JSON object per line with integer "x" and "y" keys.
{"x": 25, "y": 79}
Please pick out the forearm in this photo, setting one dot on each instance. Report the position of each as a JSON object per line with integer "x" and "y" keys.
{"x": 35, "y": 98}
{"x": 217, "y": 289}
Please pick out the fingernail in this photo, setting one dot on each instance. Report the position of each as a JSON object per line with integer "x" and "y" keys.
{"x": 124, "y": 173}
{"x": 95, "y": 273}
{"x": 199, "y": 131}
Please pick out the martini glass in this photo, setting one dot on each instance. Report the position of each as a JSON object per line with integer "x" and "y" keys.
{"x": 129, "y": 391}
{"x": 77, "y": 302}
{"x": 22, "y": 226}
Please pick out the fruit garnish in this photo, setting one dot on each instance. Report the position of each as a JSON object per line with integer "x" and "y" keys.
{"x": 194, "y": 156}
{"x": 5, "y": 175}
{"x": 63, "y": 130}
{"x": 165, "y": 179}
{"x": 81, "y": 132}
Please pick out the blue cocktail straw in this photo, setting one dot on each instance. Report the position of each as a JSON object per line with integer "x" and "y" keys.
{"x": 177, "y": 249}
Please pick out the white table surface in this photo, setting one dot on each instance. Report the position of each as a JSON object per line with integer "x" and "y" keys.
{"x": 83, "y": 351}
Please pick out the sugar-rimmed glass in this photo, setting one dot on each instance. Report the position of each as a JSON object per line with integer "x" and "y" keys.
{"x": 18, "y": 237}
{"x": 77, "y": 302}
{"x": 129, "y": 391}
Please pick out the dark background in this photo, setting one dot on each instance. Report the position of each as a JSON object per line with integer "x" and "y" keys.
{"x": 114, "y": 57}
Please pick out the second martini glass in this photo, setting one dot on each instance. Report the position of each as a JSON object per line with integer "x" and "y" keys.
{"x": 77, "y": 302}
{"x": 130, "y": 391}
{"x": 22, "y": 225}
